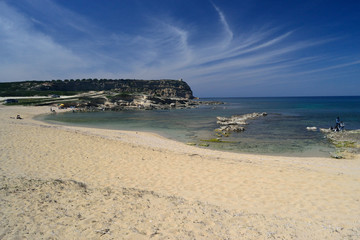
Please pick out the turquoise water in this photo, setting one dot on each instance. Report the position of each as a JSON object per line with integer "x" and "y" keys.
{"x": 282, "y": 132}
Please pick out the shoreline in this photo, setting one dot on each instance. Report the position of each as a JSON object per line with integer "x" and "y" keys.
{"x": 258, "y": 190}
{"x": 163, "y": 143}
{"x": 210, "y": 142}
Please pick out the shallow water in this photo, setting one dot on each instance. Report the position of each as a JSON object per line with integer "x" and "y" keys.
{"x": 282, "y": 132}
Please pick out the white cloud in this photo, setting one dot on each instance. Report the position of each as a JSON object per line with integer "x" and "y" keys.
{"x": 227, "y": 29}
{"x": 29, "y": 54}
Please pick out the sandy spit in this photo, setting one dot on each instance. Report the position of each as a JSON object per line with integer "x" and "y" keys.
{"x": 59, "y": 182}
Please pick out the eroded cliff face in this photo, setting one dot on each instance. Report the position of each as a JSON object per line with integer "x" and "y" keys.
{"x": 161, "y": 88}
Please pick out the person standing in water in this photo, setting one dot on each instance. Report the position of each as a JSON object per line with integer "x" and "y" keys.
{"x": 337, "y": 121}
{"x": 337, "y": 124}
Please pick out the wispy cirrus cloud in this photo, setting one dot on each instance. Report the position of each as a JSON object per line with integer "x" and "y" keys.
{"x": 228, "y": 32}
{"x": 29, "y": 53}
{"x": 59, "y": 43}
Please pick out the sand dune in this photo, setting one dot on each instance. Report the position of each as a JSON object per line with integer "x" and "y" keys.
{"x": 62, "y": 182}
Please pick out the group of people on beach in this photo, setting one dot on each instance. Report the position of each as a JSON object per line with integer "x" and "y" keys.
{"x": 339, "y": 125}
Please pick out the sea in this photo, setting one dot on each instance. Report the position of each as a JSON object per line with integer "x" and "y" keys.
{"x": 281, "y": 133}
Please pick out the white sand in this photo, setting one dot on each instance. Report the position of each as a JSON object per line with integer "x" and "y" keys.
{"x": 62, "y": 182}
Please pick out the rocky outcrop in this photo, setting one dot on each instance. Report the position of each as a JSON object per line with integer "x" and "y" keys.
{"x": 113, "y": 101}
{"x": 346, "y": 142}
{"x": 311, "y": 128}
{"x": 148, "y": 103}
{"x": 235, "y": 123}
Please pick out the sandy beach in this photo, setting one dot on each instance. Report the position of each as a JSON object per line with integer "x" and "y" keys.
{"x": 61, "y": 182}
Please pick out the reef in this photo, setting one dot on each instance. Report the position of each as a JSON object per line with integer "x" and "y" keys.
{"x": 346, "y": 142}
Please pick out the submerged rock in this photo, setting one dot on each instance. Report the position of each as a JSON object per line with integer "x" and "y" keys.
{"x": 203, "y": 145}
{"x": 231, "y": 128}
{"x": 239, "y": 119}
{"x": 234, "y": 123}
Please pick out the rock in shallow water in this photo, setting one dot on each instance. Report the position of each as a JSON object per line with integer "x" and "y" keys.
{"x": 233, "y": 124}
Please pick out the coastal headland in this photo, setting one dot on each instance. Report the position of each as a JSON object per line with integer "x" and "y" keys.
{"x": 60, "y": 182}
{"x": 102, "y": 94}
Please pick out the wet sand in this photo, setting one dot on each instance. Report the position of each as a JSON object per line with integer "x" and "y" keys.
{"x": 60, "y": 182}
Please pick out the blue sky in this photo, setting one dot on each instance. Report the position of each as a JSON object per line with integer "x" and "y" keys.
{"x": 219, "y": 47}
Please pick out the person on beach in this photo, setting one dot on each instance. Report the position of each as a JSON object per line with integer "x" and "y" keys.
{"x": 339, "y": 125}
{"x": 337, "y": 122}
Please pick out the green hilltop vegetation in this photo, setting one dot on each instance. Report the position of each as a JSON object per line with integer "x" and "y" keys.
{"x": 161, "y": 88}
{"x": 27, "y": 89}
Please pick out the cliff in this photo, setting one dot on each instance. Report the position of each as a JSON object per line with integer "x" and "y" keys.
{"x": 161, "y": 88}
